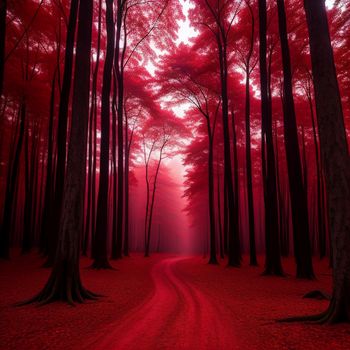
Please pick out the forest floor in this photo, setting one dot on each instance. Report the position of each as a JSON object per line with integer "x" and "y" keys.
{"x": 167, "y": 302}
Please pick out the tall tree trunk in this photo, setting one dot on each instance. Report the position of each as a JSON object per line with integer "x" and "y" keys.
{"x": 100, "y": 242}
{"x": 212, "y": 235}
{"x": 234, "y": 253}
{"x": 221, "y": 239}
{"x": 147, "y": 197}
{"x": 225, "y": 208}
{"x": 127, "y": 159}
{"x": 273, "y": 264}
{"x": 300, "y": 219}
{"x": 93, "y": 185}
{"x": 30, "y": 165}
{"x": 252, "y": 247}
{"x": 12, "y": 180}
{"x": 335, "y": 156}
{"x": 88, "y": 227}
{"x": 235, "y": 173}
{"x": 114, "y": 182}
{"x": 320, "y": 187}
{"x": 119, "y": 64}
{"x": 64, "y": 282}
{"x": 281, "y": 204}
{"x": 3, "y": 13}
{"x": 149, "y": 229}
{"x": 48, "y": 192}
{"x": 62, "y": 133}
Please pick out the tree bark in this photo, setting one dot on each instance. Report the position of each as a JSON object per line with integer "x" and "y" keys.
{"x": 64, "y": 282}
{"x": 100, "y": 253}
{"x": 62, "y": 133}
{"x": 48, "y": 192}
{"x": 119, "y": 68}
{"x": 12, "y": 180}
{"x": 234, "y": 253}
{"x": 3, "y": 13}
{"x": 251, "y": 219}
{"x": 273, "y": 264}
{"x": 300, "y": 219}
{"x": 88, "y": 227}
{"x": 149, "y": 229}
{"x": 335, "y": 156}
{"x": 320, "y": 186}
{"x": 212, "y": 258}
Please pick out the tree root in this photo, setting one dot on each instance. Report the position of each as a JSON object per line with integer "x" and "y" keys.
{"x": 101, "y": 265}
{"x": 71, "y": 297}
{"x": 317, "y": 294}
{"x": 62, "y": 285}
{"x": 330, "y": 316}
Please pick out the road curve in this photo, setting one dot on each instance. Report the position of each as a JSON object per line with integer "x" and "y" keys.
{"x": 177, "y": 316}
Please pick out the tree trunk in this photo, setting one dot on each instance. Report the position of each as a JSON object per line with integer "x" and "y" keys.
{"x": 147, "y": 203}
{"x": 335, "y": 156}
{"x": 48, "y": 193}
{"x": 12, "y": 180}
{"x": 234, "y": 253}
{"x": 100, "y": 242}
{"x": 62, "y": 133}
{"x": 3, "y": 13}
{"x": 88, "y": 227}
{"x": 320, "y": 187}
{"x": 114, "y": 176}
{"x": 127, "y": 158}
{"x": 235, "y": 174}
{"x": 221, "y": 240}
{"x": 273, "y": 264}
{"x": 30, "y": 195}
{"x": 212, "y": 235}
{"x": 281, "y": 203}
{"x": 251, "y": 221}
{"x": 119, "y": 65}
{"x": 64, "y": 282}
{"x": 149, "y": 229}
{"x": 300, "y": 219}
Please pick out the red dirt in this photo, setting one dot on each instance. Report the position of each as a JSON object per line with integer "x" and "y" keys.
{"x": 166, "y": 302}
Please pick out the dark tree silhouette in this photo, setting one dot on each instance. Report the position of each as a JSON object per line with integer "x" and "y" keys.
{"x": 62, "y": 136}
{"x": 91, "y": 177}
{"x": 273, "y": 264}
{"x": 64, "y": 282}
{"x": 248, "y": 70}
{"x": 100, "y": 241}
{"x": 335, "y": 155}
{"x": 3, "y": 12}
{"x": 302, "y": 247}
{"x": 12, "y": 179}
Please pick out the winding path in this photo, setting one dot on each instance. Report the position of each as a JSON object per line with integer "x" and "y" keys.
{"x": 177, "y": 316}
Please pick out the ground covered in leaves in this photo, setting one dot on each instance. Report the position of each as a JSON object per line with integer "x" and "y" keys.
{"x": 167, "y": 302}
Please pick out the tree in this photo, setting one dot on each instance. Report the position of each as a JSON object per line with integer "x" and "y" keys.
{"x": 64, "y": 282}
{"x": 11, "y": 185}
{"x": 163, "y": 142}
{"x": 62, "y": 133}
{"x": 100, "y": 241}
{"x": 3, "y": 12}
{"x": 185, "y": 78}
{"x": 273, "y": 264}
{"x": 335, "y": 155}
{"x": 220, "y": 26}
{"x": 248, "y": 68}
{"x": 302, "y": 247}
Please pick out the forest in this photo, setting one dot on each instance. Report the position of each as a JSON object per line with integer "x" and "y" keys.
{"x": 174, "y": 174}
